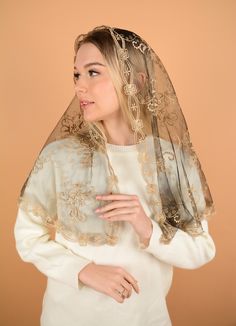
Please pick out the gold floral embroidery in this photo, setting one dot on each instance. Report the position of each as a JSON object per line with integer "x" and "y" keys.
{"x": 123, "y": 54}
{"x": 168, "y": 217}
{"x": 137, "y": 125}
{"x": 160, "y": 165}
{"x": 72, "y": 124}
{"x": 160, "y": 217}
{"x": 172, "y": 214}
{"x": 148, "y": 168}
{"x": 158, "y": 103}
{"x": 141, "y": 46}
{"x": 152, "y": 188}
{"x": 86, "y": 160}
{"x": 39, "y": 164}
{"x": 31, "y": 206}
{"x": 55, "y": 225}
{"x": 130, "y": 89}
{"x": 168, "y": 232}
{"x": 75, "y": 198}
{"x": 96, "y": 239}
{"x": 154, "y": 202}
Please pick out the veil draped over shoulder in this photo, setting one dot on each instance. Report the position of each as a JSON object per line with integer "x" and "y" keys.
{"x": 179, "y": 196}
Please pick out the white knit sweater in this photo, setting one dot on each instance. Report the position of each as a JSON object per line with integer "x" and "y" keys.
{"x": 69, "y": 303}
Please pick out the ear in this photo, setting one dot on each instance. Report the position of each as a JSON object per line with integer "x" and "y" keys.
{"x": 141, "y": 80}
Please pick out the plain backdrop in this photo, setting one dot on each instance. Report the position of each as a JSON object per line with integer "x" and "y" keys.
{"x": 195, "y": 39}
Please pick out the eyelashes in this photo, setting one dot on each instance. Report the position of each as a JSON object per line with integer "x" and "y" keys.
{"x": 92, "y": 73}
{"x": 76, "y": 75}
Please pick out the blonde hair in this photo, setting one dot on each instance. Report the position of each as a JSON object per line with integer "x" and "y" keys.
{"x": 103, "y": 40}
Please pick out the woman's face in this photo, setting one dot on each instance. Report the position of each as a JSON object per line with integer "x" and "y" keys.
{"x": 93, "y": 85}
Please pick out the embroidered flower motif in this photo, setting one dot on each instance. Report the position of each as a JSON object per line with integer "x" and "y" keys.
{"x": 127, "y": 71}
{"x": 139, "y": 45}
{"x": 155, "y": 203}
{"x": 151, "y": 105}
{"x": 123, "y": 54}
{"x": 83, "y": 239}
{"x": 130, "y": 89}
{"x": 111, "y": 240}
{"x": 155, "y": 103}
{"x": 86, "y": 160}
{"x": 39, "y": 164}
{"x": 134, "y": 107}
{"x": 137, "y": 125}
{"x": 161, "y": 165}
{"x": 31, "y": 206}
{"x": 172, "y": 214}
{"x": 75, "y": 198}
{"x": 152, "y": 188}
{"x": 72, "y": 124}
{"x": 170, "y": 155}
{"x": 171, "y": 118}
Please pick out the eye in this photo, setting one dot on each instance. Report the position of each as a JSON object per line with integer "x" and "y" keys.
{"x": 93, "y": 73}
{"x": 76, "y": 75}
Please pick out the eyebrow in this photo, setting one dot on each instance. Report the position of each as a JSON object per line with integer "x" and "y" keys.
{"x": 92, "y": 64}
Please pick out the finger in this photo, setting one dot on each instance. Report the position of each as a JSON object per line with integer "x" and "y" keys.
{"x": 116, "y": 197}
{"x": 122, "y": 217}
{"x": 115, "y": 295}
{"x": 128, "y": 287}
{"x": 132, "y": 281}
{"x": 123, "y": 291}
{"x": 118, "y": 204}
{"x": 131, "y": 210}
{"x": 126, "y": 294}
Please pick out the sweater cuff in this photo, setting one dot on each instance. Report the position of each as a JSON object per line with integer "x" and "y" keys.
{"x": 71, "y": 270}
{"x": 80, "y": 284}
{"x": 154, "y": 239}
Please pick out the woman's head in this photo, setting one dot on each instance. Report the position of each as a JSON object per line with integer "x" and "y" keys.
{"x": 94, "y": 86}
{"x": 99, "y": 46}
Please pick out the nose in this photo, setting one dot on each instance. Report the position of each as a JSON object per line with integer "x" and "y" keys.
{"x": 80, "y": 87}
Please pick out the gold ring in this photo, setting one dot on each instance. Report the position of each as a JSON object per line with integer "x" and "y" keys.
{"x": 122, "y": 293}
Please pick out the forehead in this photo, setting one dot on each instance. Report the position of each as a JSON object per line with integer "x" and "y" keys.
{"x": 87, "y": 53}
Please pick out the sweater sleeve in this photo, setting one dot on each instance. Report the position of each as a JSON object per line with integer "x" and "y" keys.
{"x": 184, "y": 251}
{"x": 32, "y": 236}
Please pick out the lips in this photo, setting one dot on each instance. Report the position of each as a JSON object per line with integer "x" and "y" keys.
{"x": 85, "y": 103}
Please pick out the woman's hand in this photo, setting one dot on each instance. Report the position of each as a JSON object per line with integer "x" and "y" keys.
{"x": 110, "y": 280}
{"x": 127, "y": 208}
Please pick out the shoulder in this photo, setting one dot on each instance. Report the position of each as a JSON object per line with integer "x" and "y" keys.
{"x": 62, "y": 152}
{"x": 66, "y": 146}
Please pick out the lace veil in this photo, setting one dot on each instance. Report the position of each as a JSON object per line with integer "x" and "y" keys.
{"x": 179, "y": 196}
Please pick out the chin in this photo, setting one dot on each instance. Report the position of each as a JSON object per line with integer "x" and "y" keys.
{"x": 91, "y": 119}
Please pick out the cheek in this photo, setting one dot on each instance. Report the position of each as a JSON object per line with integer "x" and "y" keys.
{"x": 107, "y": 93}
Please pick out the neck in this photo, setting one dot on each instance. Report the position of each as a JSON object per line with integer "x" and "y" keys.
{"x": 118, "y": 132}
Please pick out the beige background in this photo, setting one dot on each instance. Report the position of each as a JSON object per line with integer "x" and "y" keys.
{"x": 196, "y": 42}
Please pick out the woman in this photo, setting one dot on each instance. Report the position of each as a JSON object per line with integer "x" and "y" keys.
{"x": 120, "y": 184}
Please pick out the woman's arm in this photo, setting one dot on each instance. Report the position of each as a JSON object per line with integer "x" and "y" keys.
{"x": 51, "y": 258}
{"x": 183, "y": 251}
{"x": 32, "y": 236}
